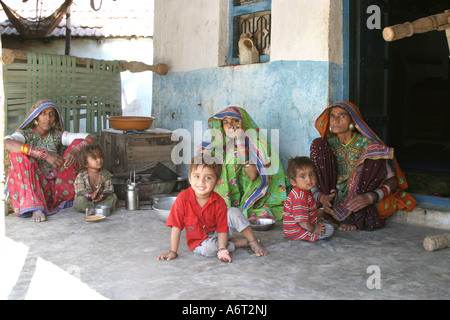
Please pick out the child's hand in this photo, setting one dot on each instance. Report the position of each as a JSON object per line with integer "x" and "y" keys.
{"x": 319, "y": 228}
{"x": 224, "y": 255}
{"x": 98, "y": 198}
{"x": 167, "y": 256}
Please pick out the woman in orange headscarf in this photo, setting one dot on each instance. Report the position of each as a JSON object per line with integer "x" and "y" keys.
{"x": 359, "y": 181}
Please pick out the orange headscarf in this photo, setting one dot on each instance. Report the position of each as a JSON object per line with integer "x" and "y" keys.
{"x": 399, "y": 199}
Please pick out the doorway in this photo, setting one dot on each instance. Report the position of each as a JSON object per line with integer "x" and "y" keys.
{"x": 403, "y": 90}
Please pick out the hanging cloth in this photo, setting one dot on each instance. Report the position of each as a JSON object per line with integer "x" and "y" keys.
{"x": 41, "y": 28}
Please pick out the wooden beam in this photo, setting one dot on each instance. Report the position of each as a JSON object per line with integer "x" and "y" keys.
{"x": 9, "y": 55}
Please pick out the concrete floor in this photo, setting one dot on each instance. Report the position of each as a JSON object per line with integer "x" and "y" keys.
{"x": 68, "y": 258}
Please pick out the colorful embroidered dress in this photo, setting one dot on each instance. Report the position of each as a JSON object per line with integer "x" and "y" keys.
{"x": 265, "y": 196}
{"x": 346, "y": 169}
{"x": 33, "y": 184}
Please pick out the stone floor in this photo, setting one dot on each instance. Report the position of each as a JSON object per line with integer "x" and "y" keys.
{"x": 69, "y": 258}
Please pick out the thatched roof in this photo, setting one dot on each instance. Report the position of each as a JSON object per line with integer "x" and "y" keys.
{"x": 114, "y": 18}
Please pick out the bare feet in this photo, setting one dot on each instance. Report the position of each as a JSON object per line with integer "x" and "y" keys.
{"x": 257, "y": 248}
{"x": 38, "y": 216}
{"x": 347, "y": 227}
{"x": 254, "y": 245}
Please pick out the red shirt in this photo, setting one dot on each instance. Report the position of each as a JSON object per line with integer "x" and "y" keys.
{"x": 187, "y": 213}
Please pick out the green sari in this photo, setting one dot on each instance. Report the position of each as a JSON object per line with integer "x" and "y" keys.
{"x": 265, "y": 196}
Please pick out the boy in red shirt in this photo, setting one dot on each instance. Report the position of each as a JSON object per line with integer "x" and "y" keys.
{"x": 206, "y": 218}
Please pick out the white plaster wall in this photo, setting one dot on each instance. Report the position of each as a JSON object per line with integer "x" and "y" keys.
{"x": 193, "y": 34}
{"x": 300, "y": 30}
{"x": 187, "y": 34}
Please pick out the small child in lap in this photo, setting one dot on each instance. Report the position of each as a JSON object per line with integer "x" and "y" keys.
{"x": 300, "y": 213}
{"x": 206, "y": 218}
{"x": 93, "y": 184}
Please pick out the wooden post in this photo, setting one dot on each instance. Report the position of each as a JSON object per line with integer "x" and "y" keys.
{"x": 439, "y": 22}
{"x": 68, "y": 30}
{"x": 3, "y": 207}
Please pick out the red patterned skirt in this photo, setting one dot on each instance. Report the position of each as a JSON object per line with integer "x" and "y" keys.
{"x": 30, "y": 190}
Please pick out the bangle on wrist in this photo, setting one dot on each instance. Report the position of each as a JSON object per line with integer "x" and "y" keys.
{"x": 37, "y": 152}
{"x": 176, "y": 254}
{"x": 373, "y": 197}
{"x": 221, "y": 249}
{"x": 24, "y": 149}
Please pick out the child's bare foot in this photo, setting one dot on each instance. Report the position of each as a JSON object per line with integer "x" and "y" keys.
{"x": 257, "y": 248}
{"x": 38, "y": 216}
{"x": 254, "y": 245}
{"x": 347, "y": 227}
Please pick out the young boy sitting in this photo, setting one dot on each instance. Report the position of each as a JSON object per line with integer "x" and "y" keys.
{"x": 300, "y": 213}
{"x": 205, "y": 216}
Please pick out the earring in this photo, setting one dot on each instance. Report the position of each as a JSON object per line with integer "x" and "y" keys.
{"x": 331, "y": 130}
{"x": 352, "y": 127}
{"x": 35, "y": 123}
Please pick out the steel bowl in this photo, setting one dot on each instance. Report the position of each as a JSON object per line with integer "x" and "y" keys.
{"x": 163, "y": 206}
{"x": 102, "y": 211}
{"x": 130, "y": 123}
{"x": 262, "y": 224}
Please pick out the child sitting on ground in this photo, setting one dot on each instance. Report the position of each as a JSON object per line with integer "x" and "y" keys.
{"x": 93, "y": 185}
{"x": 300, "y": 213}
{"x": 204, "y": 214}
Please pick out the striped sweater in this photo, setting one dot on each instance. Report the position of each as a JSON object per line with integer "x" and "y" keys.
{"x": 300, "y": 206}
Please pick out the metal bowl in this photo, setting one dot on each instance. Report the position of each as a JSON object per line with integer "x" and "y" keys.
{"x": 102, "y": 211}
{"x": 262, "y": 224}
{"x": 163, "y": 206}
{"x": 131, "y": 123}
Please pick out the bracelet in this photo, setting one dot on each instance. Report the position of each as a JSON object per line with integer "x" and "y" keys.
{"x": 40, "y": 153}
{"x": 247, "y": 165}
{"x": 176, "y": 254}
{"x": 382, "y": 192}
{"x": 24, "y": 148}
{"x": 221, "y": 249}
{"x": 373, "y": 197}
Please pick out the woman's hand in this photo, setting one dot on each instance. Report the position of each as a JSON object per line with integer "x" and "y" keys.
{"x": 327, "y": 202}
{"x": 70, "y": 158}
{"x": 251, "y": 171}
{"x": 54, "y": 159}
{"x": 360, "y": 202}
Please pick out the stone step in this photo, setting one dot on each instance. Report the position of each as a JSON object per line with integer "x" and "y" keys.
{"x": 435, "y": 217}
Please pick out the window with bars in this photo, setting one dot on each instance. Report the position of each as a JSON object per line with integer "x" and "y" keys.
{"x": 254, "y": 18}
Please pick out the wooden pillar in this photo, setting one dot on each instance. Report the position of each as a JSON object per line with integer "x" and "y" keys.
{"x": 3, "y": 207}
{"x": 68, "y": 30}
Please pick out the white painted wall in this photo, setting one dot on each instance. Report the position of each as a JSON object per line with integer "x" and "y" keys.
{"x": 196, "y": 36}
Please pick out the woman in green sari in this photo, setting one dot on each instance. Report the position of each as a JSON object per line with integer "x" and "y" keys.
{"x": 253, "y": 178}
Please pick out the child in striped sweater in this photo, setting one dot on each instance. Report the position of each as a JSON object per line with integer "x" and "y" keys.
{"x": 301, "y": 215}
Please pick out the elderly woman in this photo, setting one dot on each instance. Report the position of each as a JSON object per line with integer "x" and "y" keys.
{"x": 40, "y": 181}
{"x": 359, "y": 181}
{"x": 252, "y": 177}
